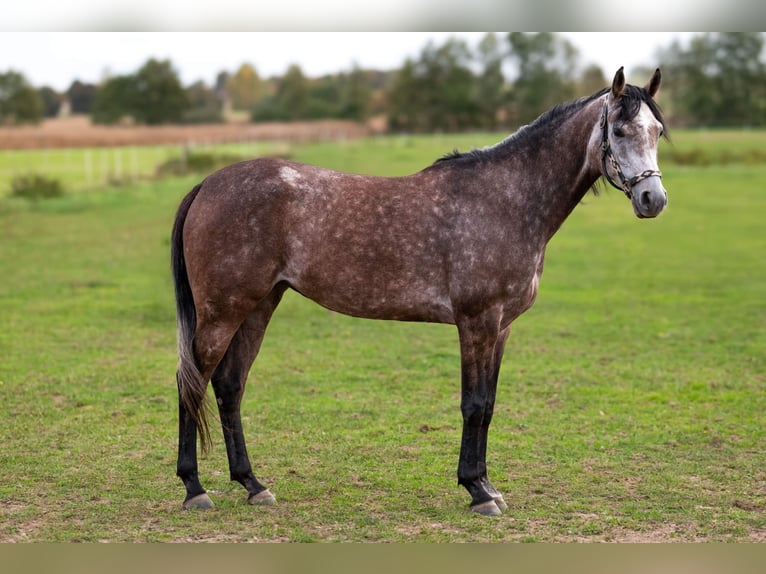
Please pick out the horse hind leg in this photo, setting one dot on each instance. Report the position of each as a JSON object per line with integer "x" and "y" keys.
{"x": 216, "y": 326}
{"x": 229, "y": 384}
{"x": 187, "y": 470}
{"x": 210, "y": 345}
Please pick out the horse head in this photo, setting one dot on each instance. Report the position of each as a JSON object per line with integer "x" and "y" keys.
{"x": 631, "y": 127}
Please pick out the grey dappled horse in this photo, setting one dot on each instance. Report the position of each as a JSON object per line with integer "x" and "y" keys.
{"x": 460, "y": 242}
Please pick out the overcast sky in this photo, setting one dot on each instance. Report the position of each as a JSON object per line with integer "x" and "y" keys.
{"x": 56, "y": 59}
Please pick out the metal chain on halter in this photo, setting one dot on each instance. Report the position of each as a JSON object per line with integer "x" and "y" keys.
{"x": 626, "y": 185}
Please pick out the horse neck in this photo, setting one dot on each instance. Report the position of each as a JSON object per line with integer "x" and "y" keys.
{"x": 563, "y": 166}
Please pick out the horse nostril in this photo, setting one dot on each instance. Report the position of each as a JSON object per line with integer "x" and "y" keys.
{"x": 646, "y": 199}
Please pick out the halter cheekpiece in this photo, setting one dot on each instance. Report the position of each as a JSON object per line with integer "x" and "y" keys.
{"x": 626, "y": 185}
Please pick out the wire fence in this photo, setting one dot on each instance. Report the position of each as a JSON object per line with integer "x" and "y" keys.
{"x": 88, "y": 168}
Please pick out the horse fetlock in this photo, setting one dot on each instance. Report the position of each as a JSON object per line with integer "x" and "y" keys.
{"x": 483, "y": 496}
{"x": 493, "y": 492}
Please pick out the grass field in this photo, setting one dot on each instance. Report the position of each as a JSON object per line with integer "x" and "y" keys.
{"x": 630, "y": 405}
{"x": 97, "y": 167}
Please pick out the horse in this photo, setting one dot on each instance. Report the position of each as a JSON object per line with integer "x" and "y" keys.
{"x": 461, "y": 242}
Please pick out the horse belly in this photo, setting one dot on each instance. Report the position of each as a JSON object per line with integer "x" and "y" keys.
{"x": 373, "y": 281}
{"x": 374, "y": 295}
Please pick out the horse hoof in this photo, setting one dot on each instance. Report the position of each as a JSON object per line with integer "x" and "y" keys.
{"x": 263, "y": 498}
{"x": 501, "y": 504}
{"x": 489, "y": 508}
{"x": 201, "y": 501}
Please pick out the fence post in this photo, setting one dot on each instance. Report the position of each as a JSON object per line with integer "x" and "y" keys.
{"x": 88, "y": 158}
{"x": 134, "y": 163}
{"x": 117, "y": 164}
{"x": 104, "y": 166}
{"x": 184, "y": 157}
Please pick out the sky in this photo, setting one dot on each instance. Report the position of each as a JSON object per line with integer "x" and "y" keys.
{"x": 56, "y": 59}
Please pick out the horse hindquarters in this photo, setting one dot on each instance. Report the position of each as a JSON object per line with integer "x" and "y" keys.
{"x": 211, "y": 310}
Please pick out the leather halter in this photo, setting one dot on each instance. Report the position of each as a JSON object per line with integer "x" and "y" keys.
{"x": 626, "y": 185}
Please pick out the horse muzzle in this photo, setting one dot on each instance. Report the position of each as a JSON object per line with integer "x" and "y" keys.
{"x": 649, "y": 202}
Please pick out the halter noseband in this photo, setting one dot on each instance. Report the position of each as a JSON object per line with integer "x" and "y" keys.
{"x": 626, "y": 185}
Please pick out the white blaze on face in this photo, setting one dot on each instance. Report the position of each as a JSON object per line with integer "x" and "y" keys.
{"x": 638, "y": 149}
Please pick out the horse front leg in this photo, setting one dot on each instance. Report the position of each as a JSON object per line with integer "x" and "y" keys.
{"x": 481, "y": 348}
{"x": 497, "y": 359}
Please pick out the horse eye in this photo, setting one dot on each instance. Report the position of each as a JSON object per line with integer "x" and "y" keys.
{"x": 618, "y": 132}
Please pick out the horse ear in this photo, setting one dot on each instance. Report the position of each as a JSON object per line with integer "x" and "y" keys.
{"x": 618, "y": 84}
{"x": 654, "y": 84}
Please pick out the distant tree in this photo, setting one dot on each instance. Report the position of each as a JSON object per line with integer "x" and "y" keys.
{"x": 204, "y": 105}
{"x": 592, "y": 80}
{"x": 437, "y": 91}
{"x": 293, "y": 93}
{"x": 379, "y": 80}
{"x": 454, "y": 94}
{"x": 380, "y": 83}
{"x": 356, "y": 95}
{"x": 405, "y": 100}
{"x": 153, "y": 95}
{"x": 268, "y": 110}
{"x": 492, "y": 92}
{"x": 291, "y": 99}
{"x": 719, "y": 80}
{"x": 51, "y": 101}
{"x": 323, "y": 98}
{"x": 81, "y": 97}
{"x": 245, "y": 88}
{"x": 116, "y": 99}
{"x": 546, "y": 65}
{"x": 19, "y": 101}
{"x": 160, "y": 98}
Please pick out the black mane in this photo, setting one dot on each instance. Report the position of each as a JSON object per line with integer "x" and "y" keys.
{"x": 630, "y": 103}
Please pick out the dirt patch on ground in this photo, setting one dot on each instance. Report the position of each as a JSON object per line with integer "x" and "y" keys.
{"x": 79, "y": 132}
{"x": 17, "y": 526}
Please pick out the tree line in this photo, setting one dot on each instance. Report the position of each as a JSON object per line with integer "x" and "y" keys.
{"x": 718, "y": 79}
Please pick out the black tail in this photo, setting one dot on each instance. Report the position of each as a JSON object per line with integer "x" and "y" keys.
{"x": 192, "y": 388}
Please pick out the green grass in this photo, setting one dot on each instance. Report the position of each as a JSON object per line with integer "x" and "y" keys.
{"x": 630, "y": 405}
{"x": 88, "y": 168}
